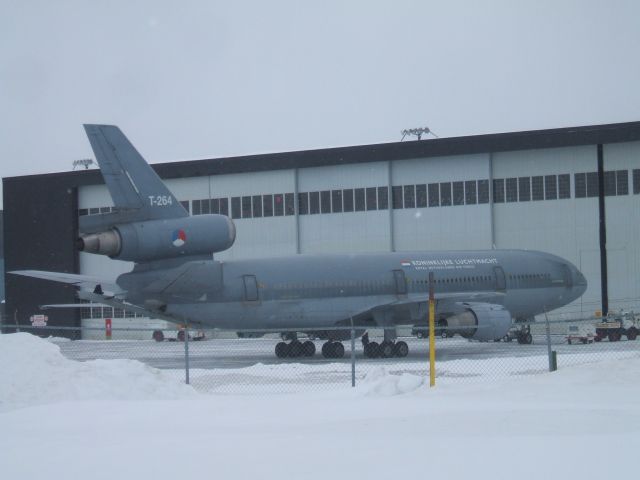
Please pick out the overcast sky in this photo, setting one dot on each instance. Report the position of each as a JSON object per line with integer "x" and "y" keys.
{"x": 196, "y": 79}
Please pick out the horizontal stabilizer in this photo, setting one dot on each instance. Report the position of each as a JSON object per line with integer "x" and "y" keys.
{"x": 85, "y": 282}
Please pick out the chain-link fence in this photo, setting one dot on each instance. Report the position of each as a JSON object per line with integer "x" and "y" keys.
{"x": 250, "y": 362}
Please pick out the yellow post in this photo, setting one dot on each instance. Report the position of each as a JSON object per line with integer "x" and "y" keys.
{"x": 432, "y": 333}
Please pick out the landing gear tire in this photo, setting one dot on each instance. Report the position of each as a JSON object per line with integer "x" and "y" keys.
{"x": 525, "y": 339}
{"x": 372, "y": 350}
{"x": 385, "y": 350}
{"x": 401, "y": 349}
{"x": 282, "y": 350}
{"x": 333, "y": 350}
{"x": 295, "y": 349}
{"x": 632, "y": 333}
{"x": 308, "y": 348}
{"x": 158, "y": 336}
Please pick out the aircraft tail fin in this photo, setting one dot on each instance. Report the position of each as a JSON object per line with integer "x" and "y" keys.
{"x": 138, "y": 193}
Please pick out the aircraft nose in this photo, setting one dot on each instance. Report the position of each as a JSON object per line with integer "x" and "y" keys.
{"x": 579, "y": 282}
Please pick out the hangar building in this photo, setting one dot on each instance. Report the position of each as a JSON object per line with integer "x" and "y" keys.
{"x": 574, "y": 192}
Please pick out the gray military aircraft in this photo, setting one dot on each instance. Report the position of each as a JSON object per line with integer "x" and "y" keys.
{"x": 176, "y": 277}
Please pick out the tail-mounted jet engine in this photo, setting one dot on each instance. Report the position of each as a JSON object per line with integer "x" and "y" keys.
{"x": 162, "y": 239}
{"x": 480, "y": 321}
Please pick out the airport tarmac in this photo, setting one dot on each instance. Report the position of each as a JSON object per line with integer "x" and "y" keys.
{"x": 242, "y": 353}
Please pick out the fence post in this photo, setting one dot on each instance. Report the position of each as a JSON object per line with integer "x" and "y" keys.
{"x": 186, "y": 353}
{"x": 553, "y": 364}
{"x": 353, "y": 355}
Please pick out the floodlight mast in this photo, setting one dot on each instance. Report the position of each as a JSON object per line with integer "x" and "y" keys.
{"x": 84, "y": 162}
{"x": 418, "y": 132}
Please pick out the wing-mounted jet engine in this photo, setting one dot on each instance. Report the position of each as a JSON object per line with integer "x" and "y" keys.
{"x": 479, "y": 321}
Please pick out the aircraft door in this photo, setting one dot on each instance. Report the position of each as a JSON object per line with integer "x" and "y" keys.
{"x": 250, "y": 288}
{"x": 400, "y": 282}
{"x": 499, "y": 279}
{"x": 567, "y": 276}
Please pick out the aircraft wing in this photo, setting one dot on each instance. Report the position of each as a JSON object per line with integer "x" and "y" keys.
{"x": 86, "y": 282}
{"x": 455, "y": 297}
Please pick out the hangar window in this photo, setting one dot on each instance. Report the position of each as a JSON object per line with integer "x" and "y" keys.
{"x": 592, "y": 184}
{"x": 235, "y": 207}
{"x": 458, "y": 193}
{"x": 257, "y": 205}
{"x": 336, "y": 201}
{"x": 434, "y": 194}
{"x": 215, "y": 205}
{"x": 314, "y": 202}
{"x": 246, "y": 207}
{"x": 409, "y": 196}
{"x": 267, "y": 205}
{"x": 303, "y": 203}
{"x": 498, "y": 190}
{"x": 636, "y": 181}
{"x": 325, "y": 201}
{"x": 278, "y": 204}
{"x": 470, "y": 193}
{"x": 205, "y": 206}
{"x": 372, "y": 201}
{"x": 512, "y": 189}
{"x": 421, "y": 195}
{"x": 94, "y": 211}
{"x": 580, "y": 185}
{"x": 359, "y": 194}
{"x": 537, "y": 188}
{"x": 195, "y": 207}
{"x": 622, "y": 182}
{"x": 83, "y": 211}
{"x": 445, "y": 194}
{"x": 524, "y": 189}
{"x": 609, "y": 183}
{"x": 396, "y": 196}
{"x": 105, "y": 209}
{"x": 550, "y": 187}
{"x": 383, "y": 198}
{"x": 347, "y": 198}
{"x": 483, "y": 191}
{"x": 224, "y": 206}
{"x": 289, "y": 204}
{"x": 185, "y": 204}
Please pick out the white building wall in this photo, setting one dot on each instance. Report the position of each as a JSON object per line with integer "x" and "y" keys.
{"x": 622, "y": 214}
{"x": 456, "y": 227}
{"x": 348, "y": 231}
{"x": 258, "y": 237}
{"x": 565, "y": 227}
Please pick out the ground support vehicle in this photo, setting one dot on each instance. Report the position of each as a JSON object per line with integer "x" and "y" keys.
{"x": 177, "y": 335}
{"x": 615, "y": 326}
{"x": 580, "y": 334}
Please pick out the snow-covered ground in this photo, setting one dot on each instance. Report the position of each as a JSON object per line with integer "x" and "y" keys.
{"x": 109, "y": 419}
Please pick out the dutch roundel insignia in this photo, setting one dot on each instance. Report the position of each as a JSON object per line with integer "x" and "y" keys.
{"x": 178, "y": 238}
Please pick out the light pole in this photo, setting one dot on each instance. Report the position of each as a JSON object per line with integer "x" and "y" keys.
{"x": 85, "y": 162}
{"x": 418, "y": 132}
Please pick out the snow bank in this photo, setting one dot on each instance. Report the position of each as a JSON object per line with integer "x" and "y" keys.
{"x": 35, "y": 372}
{"x": 379, "y": 382}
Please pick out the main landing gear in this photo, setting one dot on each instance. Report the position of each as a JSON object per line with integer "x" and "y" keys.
{"x": 387, "y": 349}
{"x": 295, "y": 348}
